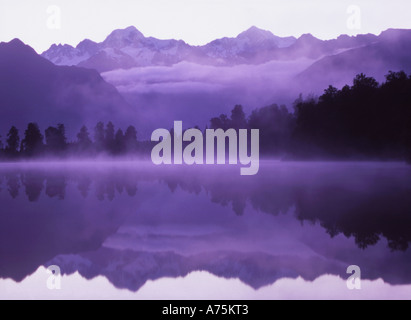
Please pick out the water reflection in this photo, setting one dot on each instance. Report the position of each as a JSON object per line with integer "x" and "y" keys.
{"x": 367, "y": 206}
{"x": 97, "y": 219}
{"x": 13, "y": 185}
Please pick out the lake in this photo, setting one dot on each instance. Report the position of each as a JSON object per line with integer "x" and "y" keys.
{"x": 138, "y": 231}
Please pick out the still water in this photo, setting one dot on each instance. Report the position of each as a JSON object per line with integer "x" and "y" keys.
{"x": 135, "y": 230}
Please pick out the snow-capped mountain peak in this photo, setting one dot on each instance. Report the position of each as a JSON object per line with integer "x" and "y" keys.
{"x": 128, "y": 48}
{"x": 255, "y": 34}
{"x": 121, "y": 38}
{"x": 87, "y": 46}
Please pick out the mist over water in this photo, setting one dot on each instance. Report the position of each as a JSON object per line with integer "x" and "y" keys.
{"x": 85, "y": 200}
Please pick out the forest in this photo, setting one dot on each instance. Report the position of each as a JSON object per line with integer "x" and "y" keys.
{"x": 365, "y": 120}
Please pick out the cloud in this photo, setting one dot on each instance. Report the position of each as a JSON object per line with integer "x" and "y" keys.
{"x": 195, "y": 93}
{"x": 189, "y": 77}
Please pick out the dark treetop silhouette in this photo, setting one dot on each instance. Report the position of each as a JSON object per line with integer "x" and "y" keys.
{"x": 367, "y": 120}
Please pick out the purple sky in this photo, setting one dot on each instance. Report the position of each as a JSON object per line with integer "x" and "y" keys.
{"x": 44, "y": 22}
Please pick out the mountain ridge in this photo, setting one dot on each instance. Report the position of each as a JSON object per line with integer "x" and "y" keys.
{"x": 35, "y": 90}
{"x": 127, "y": 48}
{"x": 375, "y": 59}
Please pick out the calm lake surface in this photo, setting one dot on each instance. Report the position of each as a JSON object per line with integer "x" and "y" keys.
{"x": 142, "y": 231}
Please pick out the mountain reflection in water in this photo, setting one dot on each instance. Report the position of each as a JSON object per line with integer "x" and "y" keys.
{"x": 132, "y": 222}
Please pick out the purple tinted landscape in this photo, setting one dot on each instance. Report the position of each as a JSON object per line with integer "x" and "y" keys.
{"x": 133, "y": 222}
{"x": 149, "y": 83}
{"x": 78, "y": 189}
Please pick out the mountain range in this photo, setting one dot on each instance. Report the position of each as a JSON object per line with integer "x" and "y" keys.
{"x": 128, "y": 48}
{"x": 150, "y": 82}
{"x": 390, "y": 51}
{"x": 35, "y": 90}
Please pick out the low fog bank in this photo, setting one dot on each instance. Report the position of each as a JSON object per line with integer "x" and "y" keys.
{"x": 195, "y": 93}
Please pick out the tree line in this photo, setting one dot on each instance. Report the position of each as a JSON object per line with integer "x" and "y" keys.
{"x": 366, "y": 120}
{"x": 54, "y": 142}
{"x": 54, "y": 186}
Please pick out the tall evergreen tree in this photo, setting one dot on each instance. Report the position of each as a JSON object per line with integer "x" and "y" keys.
{"x": 238, "y": 119}
{"x": 83, "y": 140}
{"x": 119, "y": 142}
{"x": 33, "y": 140}
{"x": 13, "y": 141}
{"x": 130, "y": 139}
{"x": 56, "y": 138}
{"x": 109, "y": 137}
